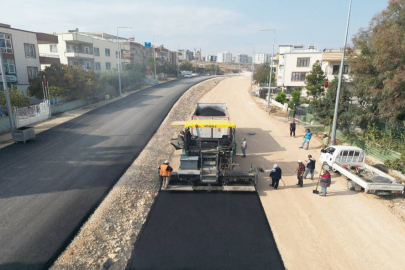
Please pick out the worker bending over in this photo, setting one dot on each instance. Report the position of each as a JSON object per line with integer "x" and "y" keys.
{"x": 165, "y": 172}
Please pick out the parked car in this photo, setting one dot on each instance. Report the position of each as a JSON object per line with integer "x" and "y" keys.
{"x": 187, "y": 75}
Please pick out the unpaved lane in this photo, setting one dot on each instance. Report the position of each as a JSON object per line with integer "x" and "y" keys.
{"x": 345, "y": 230}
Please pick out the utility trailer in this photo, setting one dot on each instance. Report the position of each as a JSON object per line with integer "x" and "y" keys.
{"x": 349, "y": 161}
{"x": 207, "y": 161}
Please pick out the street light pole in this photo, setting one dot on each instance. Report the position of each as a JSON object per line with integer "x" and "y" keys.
{"x": 3, "y": 74}
{"x": 119, "y": 60}
{"x": 178, "y": 62}
{"x": 271, "y": 64}
{"x": 154, "y": 54}
{"x": 335, "y": 116}
{"x": 253, "y": 67}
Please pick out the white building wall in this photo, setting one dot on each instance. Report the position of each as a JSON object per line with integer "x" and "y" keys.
{"x": 91, "y": 42}
{"x": 290, "y": 67}
{"x": 19, "y": 38}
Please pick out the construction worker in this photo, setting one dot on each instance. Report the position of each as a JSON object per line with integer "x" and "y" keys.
{"x": 325, "y": 141}
{"x": 310, "y": 163}
{"x": 275, "y": 175}
{"x": 165, "y": 172}
{"x": 300, "y": 172}
{"x": 243, "y": 146}
{"x": 325, "y": 181}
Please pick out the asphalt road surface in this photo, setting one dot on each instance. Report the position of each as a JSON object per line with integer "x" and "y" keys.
{"x": 50, "y": 186}
{"x": 192, "y": 230}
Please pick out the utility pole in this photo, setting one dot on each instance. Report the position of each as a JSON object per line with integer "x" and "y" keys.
{"x": 154, "y": 54}
{"x": 271, "y": 64}
{"x": 10, "y": 112}
{"x": 335, "y": 116}
{"x": 253, "y": 67}
{"x": 178, "y": 62}
{"x": 119, "y": 60}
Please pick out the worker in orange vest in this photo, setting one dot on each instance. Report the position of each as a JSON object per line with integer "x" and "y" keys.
{"x": 165, "y": 172}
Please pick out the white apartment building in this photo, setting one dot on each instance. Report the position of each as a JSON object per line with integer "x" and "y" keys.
{"x": 96, "y": 51}
{"x": 294, "y": 67}
{"x": 211, "y": 58}
{"x": 261, "y": 58}
{"x": 331, "y": 65}
{"x": 242, "y": 58}
{"x": 20, "y": 54}
{"x": 225, "y": 57}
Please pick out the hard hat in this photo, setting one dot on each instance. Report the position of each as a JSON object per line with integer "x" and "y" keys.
{"x": 166, "y": 162}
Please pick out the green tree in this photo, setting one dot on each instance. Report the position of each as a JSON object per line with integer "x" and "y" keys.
{"x": 378, "y": 69}
{"x": 295, "y": 99}
{"x": 186, "y": 66}
{"x": 262, "y": 73}
{"x": 325, "y": 107}
{"x": 315, "y": 81}
{"x": 150, "y": 64}
{"x": 17, "y": 98}
{"x": 281, "y": 97}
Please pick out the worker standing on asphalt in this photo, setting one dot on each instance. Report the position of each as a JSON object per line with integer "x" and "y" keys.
{"x": 275, "y": 175}
{"x": 325, "y": 181}
{"x": 300, "y": 172}
{"x": 165, "y": 171}
{"x": 310, "y": 167}
{"x": 292, "y": 128}
{"x": 307, "y": 138}
{"x": 243, "y": 146}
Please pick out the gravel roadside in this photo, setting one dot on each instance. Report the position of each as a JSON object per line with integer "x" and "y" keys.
{"x": 107, "y": 238}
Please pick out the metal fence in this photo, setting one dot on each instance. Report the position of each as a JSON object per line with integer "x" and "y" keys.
{"x": 32, "y": 114}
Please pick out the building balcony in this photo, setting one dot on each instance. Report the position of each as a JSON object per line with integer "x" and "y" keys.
{"x": 79, "y": 54}
{"x": 48, "y": 59}
{"x": 77, "y": 38}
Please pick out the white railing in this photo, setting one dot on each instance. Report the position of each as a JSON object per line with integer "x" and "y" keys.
{"x": 49, "y": 55}
{"x": 32, "y": 114}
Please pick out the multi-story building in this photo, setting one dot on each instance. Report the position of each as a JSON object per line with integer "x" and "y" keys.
{"x": 96, "y": 51}
{"x": 250, "y": 59}
{"x": 295, "y": 62}
{"x": 225, "y": 57}
{"x": 211, "y": 58}
{"x": 137, "y": 53}
{"x": 331, "y": 59}
{"x": 186, "y": 55}
{"x": 261, "y": 58}
{"x": 197, "y": 55}
{"x": 241, "y": 58}
{"x": 21, "y": 57}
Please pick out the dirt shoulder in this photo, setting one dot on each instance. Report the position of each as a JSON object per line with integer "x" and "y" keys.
{"x": 110, "y": 233}
{"x": 345, "y": 230}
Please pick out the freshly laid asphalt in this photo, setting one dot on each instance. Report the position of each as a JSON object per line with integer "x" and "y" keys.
{"x": 50, "y": 186}
{"x": 193, "y": 230}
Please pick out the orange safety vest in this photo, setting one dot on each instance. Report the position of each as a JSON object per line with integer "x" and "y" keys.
{"x": 163, "y": 171}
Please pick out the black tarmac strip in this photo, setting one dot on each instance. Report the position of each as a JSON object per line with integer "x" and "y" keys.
{"x": 49, "y": 187}
{"x": 206, "y": 230}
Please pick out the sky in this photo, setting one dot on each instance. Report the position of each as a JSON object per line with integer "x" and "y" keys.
{"x": 211, "y": 25}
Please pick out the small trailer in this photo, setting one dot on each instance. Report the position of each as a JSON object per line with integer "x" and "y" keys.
{"x": 349, "y": 161}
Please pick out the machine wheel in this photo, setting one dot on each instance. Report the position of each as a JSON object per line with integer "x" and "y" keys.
{"x": 351, "y": 185}
{"x": 325, "y": 166}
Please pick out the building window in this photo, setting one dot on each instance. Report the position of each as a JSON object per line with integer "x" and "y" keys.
{"x": 87, "y": 50}
{"x": 97, "y": 66}
{"x": 87, "y": 64}
{"x": 116, "y": 54}
{"x": 108, "y": 66}
{"x": 96, "y": 51}
{"x": 29, "y": 50}
{"x": 107, "y": 52}
{"x": 337, "y": 67}
{"x": 303, "y": 62}
{"x": 5, "y": 43}
{"x": 32, "y": 72}
{"x": 53, "y": 48}
{"x": 9, "y": 65}
{"x": 298, "y": 76}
